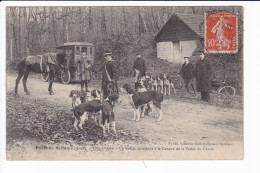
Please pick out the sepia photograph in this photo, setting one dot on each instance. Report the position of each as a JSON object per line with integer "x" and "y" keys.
{"x": 124, "y": 83}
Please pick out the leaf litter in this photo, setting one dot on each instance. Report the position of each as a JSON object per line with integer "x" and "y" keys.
{"x": 53, "y": 124}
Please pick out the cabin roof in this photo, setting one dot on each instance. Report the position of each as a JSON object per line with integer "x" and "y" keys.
{"x": 180, "y": 24}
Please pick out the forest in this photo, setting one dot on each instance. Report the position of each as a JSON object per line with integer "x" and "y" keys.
{"x": 121, "y": 30}
{"x": 33, "y": 30}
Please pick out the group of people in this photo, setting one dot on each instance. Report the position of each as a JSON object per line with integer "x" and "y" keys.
{"x": 202, "y": 73}
{"x": 109, "y": 74}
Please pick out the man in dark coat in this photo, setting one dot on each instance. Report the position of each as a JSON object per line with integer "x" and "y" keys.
{"x": 139, "y": 69}
{"x": 109, "y": 75}
{"x": 187, "y": 73}
{"x": 203, "y": 72}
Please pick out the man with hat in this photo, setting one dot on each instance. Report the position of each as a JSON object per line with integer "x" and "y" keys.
{"x": 139, "y": 69}
{"x": 203, "y": 72}
{"x": 187, "y": 73}
{"x": 109, "y": 75}
{"x": 85, "y": 71}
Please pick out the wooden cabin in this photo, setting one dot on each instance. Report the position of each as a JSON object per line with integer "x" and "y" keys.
{"x": 180, "y": 36}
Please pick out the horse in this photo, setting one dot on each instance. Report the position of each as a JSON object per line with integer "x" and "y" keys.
{"x": 46, "y": 63}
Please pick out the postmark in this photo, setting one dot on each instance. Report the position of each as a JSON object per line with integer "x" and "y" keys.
{"x": 221, "y": 32}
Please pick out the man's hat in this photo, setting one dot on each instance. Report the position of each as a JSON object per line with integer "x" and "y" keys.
{"x": 88, "y": 59}
{"x": 107, "y": 53}
{"x": 201, "y": 51}
{"x": 186, "y": 57}
{"x": 137, "y": 54}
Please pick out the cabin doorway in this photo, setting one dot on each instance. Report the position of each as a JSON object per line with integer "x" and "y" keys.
{"x": 176, "y": 52}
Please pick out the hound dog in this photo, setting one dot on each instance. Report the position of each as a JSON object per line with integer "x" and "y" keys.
{"x": 139, "y": 99}
{"x": 142, "y": 87}
{"x": 108, "y": 114}
{"x": 79, "y": 97}
{"x": 148, "y": 75}
{"x": 96, "y": 94}
{"x": 89, "y": 106}
{"x": 171, "y": 81}
{"x": 167, "y": 85}
{"x": 154, "y": 83}
{"x": 81, "y": 112}
{"x": 148, "y": 81}
{"x": 159, "y": 83}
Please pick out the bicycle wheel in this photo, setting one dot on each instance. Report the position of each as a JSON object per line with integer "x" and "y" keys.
{"x": 227, "y": 90}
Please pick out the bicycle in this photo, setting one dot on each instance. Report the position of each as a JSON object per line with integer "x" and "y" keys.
{"x": 223, "y": 88}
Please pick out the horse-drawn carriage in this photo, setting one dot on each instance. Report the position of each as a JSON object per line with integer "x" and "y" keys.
{"x": 69, "y": 71}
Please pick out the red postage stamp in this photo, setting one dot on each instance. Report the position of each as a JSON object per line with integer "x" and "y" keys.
{"x": 221, "y": 32}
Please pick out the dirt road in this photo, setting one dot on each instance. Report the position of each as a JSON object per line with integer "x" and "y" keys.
{"x": 181, "y": 121}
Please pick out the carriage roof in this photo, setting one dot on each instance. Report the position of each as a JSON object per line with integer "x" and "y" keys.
{"x": 72, "y": 44}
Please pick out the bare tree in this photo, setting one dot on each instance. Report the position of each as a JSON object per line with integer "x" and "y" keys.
{"x": 14, "y": 36}
{"x": 142, "y": 23}
{"x": 103, "y": 23}
{"x": 52, "y": 12}
{"x": 40, "y": 29}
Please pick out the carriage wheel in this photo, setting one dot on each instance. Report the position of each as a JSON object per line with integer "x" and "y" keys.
{"x": 65, "y": 76}
{"x": 45, "y": 77}
{"x": 228, "y": 91}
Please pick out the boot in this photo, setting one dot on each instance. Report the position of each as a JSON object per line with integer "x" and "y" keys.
{"x": 82, "y": 85}
{"x": 86, "y": 86}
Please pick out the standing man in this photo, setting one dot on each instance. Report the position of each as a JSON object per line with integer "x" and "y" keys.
{"x": 187, "y": 73}
{"x": 109, "y": 75}
{"x": 139, "y": 69}
{"x": 203, "y": 72}
{"x": 85, "y": 71}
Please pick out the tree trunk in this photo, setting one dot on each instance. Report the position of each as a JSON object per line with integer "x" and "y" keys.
{"x": 159, "y": 21}
{"x": 125, "y": 20}
{"x": 19, "y": 32}
{"x": 90, "y": 22}
{"x": 80, "y": 24}
{"x": 11, "y": 49}
{"x": 28, "y": 33}
{"x": 54, "y": 27}
{"x": 103, "y": 23}
{"x": 111, "y": 21}
{"x": 25, "y": 31}
{"x": 193, "y": 10}
{"x": 14, "y": 32}
{"x": 142, "y": 24}
{"x": 154, "y": 23}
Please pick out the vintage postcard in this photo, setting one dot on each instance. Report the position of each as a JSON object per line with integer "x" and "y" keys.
{"x": 124, "y": 83}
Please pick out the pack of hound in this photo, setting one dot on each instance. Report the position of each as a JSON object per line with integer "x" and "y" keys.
{"x": 147, "y": 98}
{"x": 162, "y": 83}
{"x": 85, "y": 104}
{"x": 141, "y": 99}
{"x": 149, "y": 94}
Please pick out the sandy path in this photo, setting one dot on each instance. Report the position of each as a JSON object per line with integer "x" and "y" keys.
{"x": 182, "y": 120}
